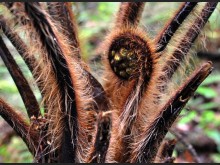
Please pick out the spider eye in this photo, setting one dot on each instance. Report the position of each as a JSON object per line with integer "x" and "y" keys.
{"x": 129, "y": 55}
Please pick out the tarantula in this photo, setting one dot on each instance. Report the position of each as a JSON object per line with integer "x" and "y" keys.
{"x": 127, "y": 117}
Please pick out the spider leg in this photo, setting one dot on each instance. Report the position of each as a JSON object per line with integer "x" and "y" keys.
{"x": 24, "y": 89}
{"x": 19, "y": 124}
{"x": 168, "y": 31}
{"x": 129, "y": 14}
{"x": 147, "y": 144}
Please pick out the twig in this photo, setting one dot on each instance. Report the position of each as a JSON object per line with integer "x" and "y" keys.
{"x": 168, "y": 160}
{"x": 129, "y": 14}
{"x": 29, "y": 136}
{"x": 22, "y": 49}
{"x": 24, "y": 89}
{"x": 169, "y": 30}
{"x": 209, "y": 55}
{"x": 187, "y": 144}
{"x": 165, "y": 151}
{"x": 62, "y": 12}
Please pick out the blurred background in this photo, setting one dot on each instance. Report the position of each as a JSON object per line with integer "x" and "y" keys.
{"x": 199, "y": 123}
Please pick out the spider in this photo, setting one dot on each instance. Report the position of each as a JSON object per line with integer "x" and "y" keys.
{"x": 124, "y": 119}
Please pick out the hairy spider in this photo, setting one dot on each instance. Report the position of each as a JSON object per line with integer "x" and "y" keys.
{"x": 127, "y": 117}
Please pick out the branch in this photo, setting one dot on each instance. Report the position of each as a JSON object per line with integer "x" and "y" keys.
{"x": 24, "y": 89}
{"x": 19, "y": 125}
{"x": 185, "y": 143}
{"x": 184, "y": 44}
{"x": 165, "y": 151}
{"x": 62, "y": 13}
{"x": 22, "y": 49}
{"x": 147, "y": 145}
{"x": 101, "y": 142}
{"x": 57, "y": 57}
{"x": 18, "y": 43}
{"x": 209, "y": 56}
{"x": 129, "y": 14}
{"x": 166, "y": 34}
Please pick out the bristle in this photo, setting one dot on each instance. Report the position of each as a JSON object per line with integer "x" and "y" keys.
{"x": 92, "y": 102}
{"x": 152, "y": 97}
{"x": 165, "y": 150}
{"x": 63, "y": 77}
{"x": 100, "y": 146}
{"x": 62, "y": 13}
{"x": 17, "y": 9}
{"x": 175, "y": 55}
{"x": 129, "y": 55}
{"x": 129, "y": 14}
{"x": 165, "y": 35}
{"x": 20, "y": 126}
{"x": 51, "y": 99}
{"x": 46, "y": 78}
{"x": 76, "y": 78}
{"x": 17, "y": 42}
{"x": 125, "y": 46}
{"x": 128, "y": 62}
{"x": 147, "y": 144}
{"x": 128, "y": 119}
{"x": 24, "y": 89}
{"x": 22, "y": 49}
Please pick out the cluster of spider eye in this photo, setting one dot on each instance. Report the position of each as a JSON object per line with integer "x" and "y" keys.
{"x": 122, "y": 120}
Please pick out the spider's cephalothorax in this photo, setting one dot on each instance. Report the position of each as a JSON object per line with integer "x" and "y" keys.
{"x": 126, "y": 118}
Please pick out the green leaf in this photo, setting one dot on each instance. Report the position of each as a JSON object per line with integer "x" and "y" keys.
{"x": 216, "y": 157}
{"x": 7, "y": 87}
{"x": 208, "y": 105}
{"x": 213, "y": 78}
{"x": 3, "y": 150}
{"x": 207, "y": 92}
{"x": 207, "y": 117}
{"x": 215, "y": 135}
{"x": 189, "y": 117}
